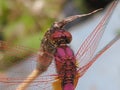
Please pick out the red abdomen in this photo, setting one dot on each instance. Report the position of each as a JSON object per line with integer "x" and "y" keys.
{"x": 66, "y": 68}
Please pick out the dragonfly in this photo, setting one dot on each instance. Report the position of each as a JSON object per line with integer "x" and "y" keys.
{"x": 64, "y": 71}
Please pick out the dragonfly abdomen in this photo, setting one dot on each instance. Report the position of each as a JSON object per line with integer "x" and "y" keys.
{"x": 69, "y": 75}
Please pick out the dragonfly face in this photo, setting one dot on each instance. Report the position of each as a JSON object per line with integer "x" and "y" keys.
{"x": 54, "y": 38}
{"x": 61, "y": 37}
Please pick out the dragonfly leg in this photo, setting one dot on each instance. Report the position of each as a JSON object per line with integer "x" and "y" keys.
{"x": 44, "y": 60}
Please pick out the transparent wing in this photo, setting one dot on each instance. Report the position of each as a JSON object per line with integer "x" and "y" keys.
{"x": 10, "y": 55}
{"x": 16, "y": 74}
{"x": 18, "y": 53}
{"x": 87, "y": 50}
{"x": 17, "y": 50}
{"x": 83, "y": 69}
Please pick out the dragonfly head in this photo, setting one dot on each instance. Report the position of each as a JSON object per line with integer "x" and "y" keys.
{"x": 61, "y": 37}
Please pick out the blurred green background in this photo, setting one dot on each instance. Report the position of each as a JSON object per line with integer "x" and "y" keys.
{"x": 24, "y": 22}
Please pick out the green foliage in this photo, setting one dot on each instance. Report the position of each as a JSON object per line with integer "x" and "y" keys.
{"x": 4, "y": 12}
{"x": 20, "y": 26}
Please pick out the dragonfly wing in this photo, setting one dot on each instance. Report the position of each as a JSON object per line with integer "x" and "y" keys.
{"x": 10, "y": 55}
{"x": 20, "y": 71}
{"x": 17, "y": 51}
{"x": 83, "y": 69}
{"x": 88, "y": 48}
{"x": 17, "y": 74}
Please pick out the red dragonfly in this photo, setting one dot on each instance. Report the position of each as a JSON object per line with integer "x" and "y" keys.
{"x": 63, "y": 72}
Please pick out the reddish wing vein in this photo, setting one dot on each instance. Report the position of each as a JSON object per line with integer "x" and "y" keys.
{"x": 20, "y": 71}
{"x": 17, "y": 51}
{"x": 15, "y": 77}
{"x": 88, "y": 48}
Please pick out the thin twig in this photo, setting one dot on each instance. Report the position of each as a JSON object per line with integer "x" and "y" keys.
{"x": 29, "y": 80}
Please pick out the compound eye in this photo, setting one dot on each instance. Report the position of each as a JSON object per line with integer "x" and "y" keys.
{"x": 56, "y": 35}
{"x": 68, "y": 36}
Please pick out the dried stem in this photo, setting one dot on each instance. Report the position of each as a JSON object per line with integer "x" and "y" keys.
{"x": 29, "y": 80}
{"x": 67, "y": 20}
